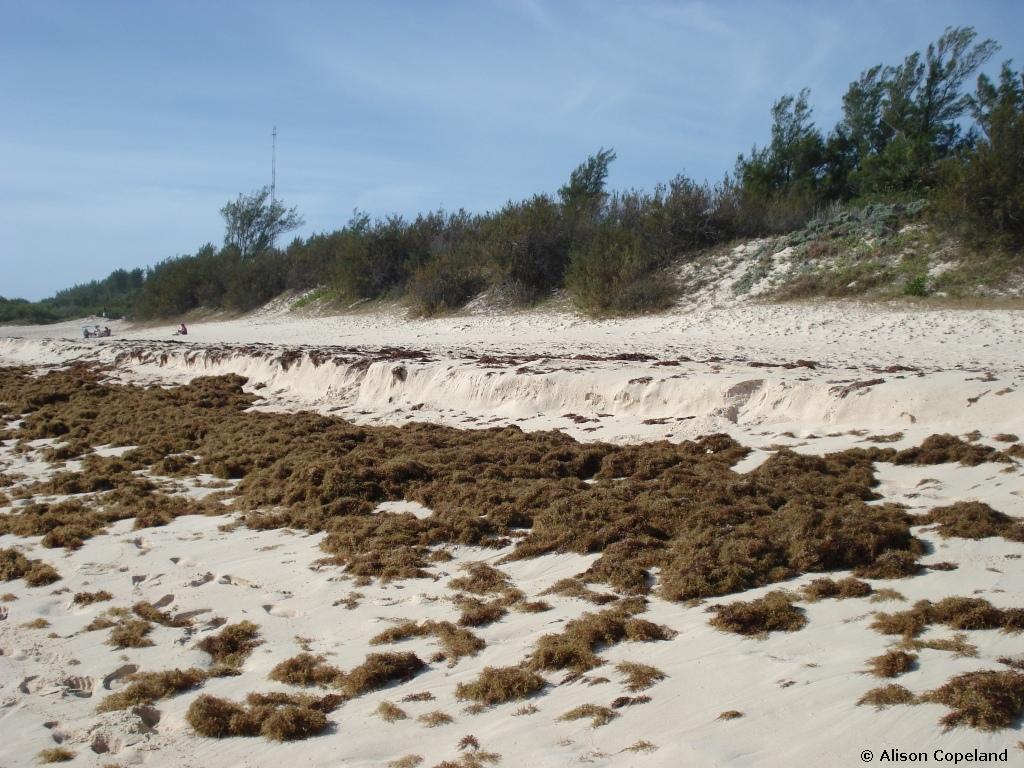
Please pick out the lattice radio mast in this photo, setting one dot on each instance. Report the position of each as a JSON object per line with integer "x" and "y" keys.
{"x": 273, "y": 166}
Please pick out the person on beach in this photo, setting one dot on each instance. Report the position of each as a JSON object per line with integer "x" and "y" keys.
{"x": 182, "y": 330}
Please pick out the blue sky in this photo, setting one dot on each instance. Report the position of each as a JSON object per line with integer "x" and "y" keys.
{"x": 127, "y": 125}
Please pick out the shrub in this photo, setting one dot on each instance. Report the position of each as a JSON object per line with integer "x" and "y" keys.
{"x": 446, "y": 282}
{"x": 617, "y": 272}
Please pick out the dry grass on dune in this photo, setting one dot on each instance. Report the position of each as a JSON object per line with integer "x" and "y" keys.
{"x": 676, "y": 507}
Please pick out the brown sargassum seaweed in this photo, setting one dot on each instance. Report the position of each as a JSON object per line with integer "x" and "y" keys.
{"x": 675, "y": 507}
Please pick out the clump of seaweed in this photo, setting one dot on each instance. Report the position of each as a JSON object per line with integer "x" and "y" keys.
{"x": 944, "y": 449}
{"x": 954, "y": 612}
{"x": 148, "y": 687}
{"x": 887, "y": 696}
{"x": 233, "y": 644}
{"x": 822, "y": 588}
{"x": 130, "y": 633}
{"x": 677, "y": 507}
{"x": 435, "y": 718}
{"x": 598, "y": 715}
{"x": 481, "y": 579}
{"x": 987, "y": 700}
{"x": 497, "y": 685}
{"x": 307, "y": 670}
{"x": 892, "y": 663}
{"x": 973, "y": 520}
{"x": 455, "y": 641}
{"x": 149, "y": 612}
{"x": 639, "y": 677}
{"x": 380, "y": 670}
{"x": 88, "y": 598}
{"x": 56, "y": 755}
{"x": 276, "y": 716}
{"x": 774, "y": 612}
{"x": 576, "y": 588}
{"x": 36, "y": 573}
{"x": 574, "y": 648}
{"x": 391, "y": 712}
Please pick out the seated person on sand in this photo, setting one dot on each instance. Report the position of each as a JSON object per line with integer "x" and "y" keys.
{"x": 182, "y": 330}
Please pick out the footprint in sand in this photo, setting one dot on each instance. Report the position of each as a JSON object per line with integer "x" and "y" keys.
{"x": 189, "y": 615}
{"x": 136, "y": 580}
{"x": 281, "y": 612}
{"x": 3, "y": 613}
{"x": 149, "y": 717}
{"x": 206, "y": 578}
{"x": 82, "y": 687}
{"x": 142, "y": 545}
{"x": 118, "y": 674}
{"x": 183, "y": 561}
{"x": 237, "y": 581}
{"x": 164, "y": 601}
{"x": 24, "y": 685}
{"x": 103, "y": 744}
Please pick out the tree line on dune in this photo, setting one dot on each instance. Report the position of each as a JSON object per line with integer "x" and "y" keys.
{"x": 911, "y": 131}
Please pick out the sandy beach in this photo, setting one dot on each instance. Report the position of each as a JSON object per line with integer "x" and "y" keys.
{"x": 815, "y": 379}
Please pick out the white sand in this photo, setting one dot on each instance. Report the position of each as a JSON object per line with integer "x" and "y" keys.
{"x": 798, "y": 691}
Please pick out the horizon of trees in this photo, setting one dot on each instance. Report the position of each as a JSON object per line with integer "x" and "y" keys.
{"x": 910, "y": 130}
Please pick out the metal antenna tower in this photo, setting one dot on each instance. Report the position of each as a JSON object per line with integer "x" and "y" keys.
{"x": 273, "y": 165}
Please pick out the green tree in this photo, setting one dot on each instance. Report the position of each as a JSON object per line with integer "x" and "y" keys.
{"x": 253, "y": 222}
{"x": 902, "y": 120}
